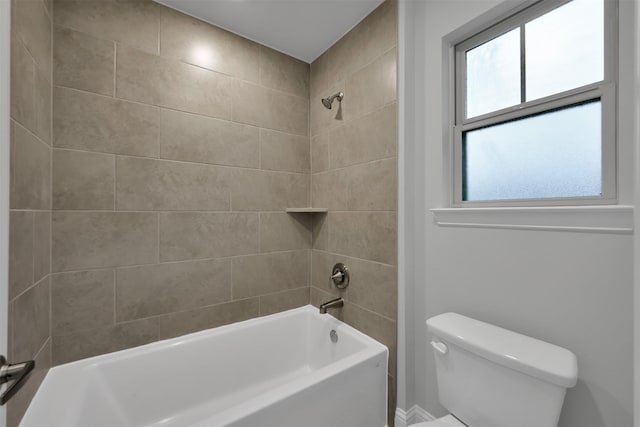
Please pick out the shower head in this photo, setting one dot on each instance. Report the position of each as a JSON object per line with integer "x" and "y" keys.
{"x": 327, "y": 102}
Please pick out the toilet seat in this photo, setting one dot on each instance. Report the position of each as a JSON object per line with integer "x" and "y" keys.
{"x": 446, "y": 421}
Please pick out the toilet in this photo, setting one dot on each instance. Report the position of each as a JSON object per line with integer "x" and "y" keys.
{"x": 492, "y": 377}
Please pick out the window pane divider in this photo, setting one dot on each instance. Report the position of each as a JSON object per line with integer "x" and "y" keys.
{"x": 532, "y": 107}
{"x": 523, "y": 66}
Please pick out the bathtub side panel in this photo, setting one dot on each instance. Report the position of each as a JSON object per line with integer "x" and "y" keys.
{"x": 230, "y": 365}
{"x": 354, "y": 398}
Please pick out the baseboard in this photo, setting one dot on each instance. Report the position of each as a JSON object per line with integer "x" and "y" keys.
{"x": 414, "y": 415}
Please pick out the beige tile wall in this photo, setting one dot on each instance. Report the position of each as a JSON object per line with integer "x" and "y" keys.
{"x": 152, "y": 158}
{"x": 177, "y": 147}
{"x": 30, "y": 197}
{"x": 354, "y": 174}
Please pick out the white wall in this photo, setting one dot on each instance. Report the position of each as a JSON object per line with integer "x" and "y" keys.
{"x": 572, "y": 289}
{"x": 636, "y": 94}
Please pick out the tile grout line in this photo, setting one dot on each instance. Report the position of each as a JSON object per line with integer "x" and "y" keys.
{"x": 354, "y": 119}
{"x": 259, "y": 232}
{"x": 160, "y": 127}
{"x": 158, "y": 241}
{"x": 354, "y": 165}
{"x": 159, "y": 55}
{"x": 368, "y": 310}
{"x": 193, "y": 260}
{"x": 196, "y": 211}
{"x": 163, "y": 107}
{"x": 32, "y": 280}
{"x": 29, "y": 288}
{"x": 160, "y": 15}
{"x": 328, "y": 252}
{"x": 115, "y": 68}
{"x": 231, "y": 278}
{"x": 157, "y": 317}
{"x": 115, "y": 183}
{"x": 114, "y": 272}
{"x": 50, "y": 310}
{"x": 182, "y": 162}
{"x": 30, "y": 132}
{"x": 260, "y": 149}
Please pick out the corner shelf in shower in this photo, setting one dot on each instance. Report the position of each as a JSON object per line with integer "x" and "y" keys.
{"x": 306, "y": 210}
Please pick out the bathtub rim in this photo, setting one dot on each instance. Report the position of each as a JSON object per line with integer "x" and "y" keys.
{"x": 85, "y": 370}
{"x": 370, "y": 342}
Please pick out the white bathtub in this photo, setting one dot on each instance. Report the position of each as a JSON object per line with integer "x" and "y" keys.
{"x": 281, "y": 370}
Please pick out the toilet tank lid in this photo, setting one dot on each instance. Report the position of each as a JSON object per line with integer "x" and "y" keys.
{"x": 528, "y": 355}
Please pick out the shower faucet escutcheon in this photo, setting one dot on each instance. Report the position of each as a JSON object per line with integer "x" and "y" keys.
{"x": 340, "y": 275}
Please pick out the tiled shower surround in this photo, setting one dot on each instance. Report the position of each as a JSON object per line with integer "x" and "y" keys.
{"x": 29, "y": 333}
{"x": 354, "y": 174}
{"x": 175, "y": 148}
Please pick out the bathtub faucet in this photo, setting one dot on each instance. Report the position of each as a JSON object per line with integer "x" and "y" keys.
{"x": 334, "y": 303}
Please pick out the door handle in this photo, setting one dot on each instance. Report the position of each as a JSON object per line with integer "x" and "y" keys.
{"x": 17, "y": 373}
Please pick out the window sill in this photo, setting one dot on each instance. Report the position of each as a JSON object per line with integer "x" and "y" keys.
{"x": 616, "y": 219}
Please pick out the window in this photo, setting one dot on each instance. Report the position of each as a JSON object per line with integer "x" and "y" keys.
{"x": 535, "y": 108}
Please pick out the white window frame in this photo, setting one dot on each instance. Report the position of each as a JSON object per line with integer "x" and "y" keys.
{"x": 605, "y": 90}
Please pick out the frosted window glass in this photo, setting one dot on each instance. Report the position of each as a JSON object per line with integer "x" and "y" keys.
{"x": 564, "y": 49}
{"x": 555, "y": 154}
{"x": 493, "y": 74}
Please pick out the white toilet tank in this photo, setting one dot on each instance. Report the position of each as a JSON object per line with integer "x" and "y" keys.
{"x": 491, "y": 377}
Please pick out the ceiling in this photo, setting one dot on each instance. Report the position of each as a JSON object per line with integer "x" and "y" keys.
{"x": 303, "y": 29}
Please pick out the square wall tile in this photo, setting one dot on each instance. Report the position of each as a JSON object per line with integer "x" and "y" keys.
{"x": 320, "y": 152}
{"x": 365, "y": 235}
{"x": 280, "y": 231}
{"x": 82, "y": 300}
{"x": 33, "y": 25}
{"x": 23, "y": 85}
{"x": 20, "y": 252}
{"x": 43, "y": 110}
{"x": 82, "y": 240}
{"x": 90, "y": 122}
{"x": 371, "y": 137}
{"x": 83, "y": 180}
{"x": 165, "y": 288}
{"x": 187, "y": 236}
{"x": 195, "y": 138}
{"x": 196, "y": 42}
{"x": 134, "y": 23}
{"x": 31, "y": 314}
{"x": 253, "y": 190}
{"x": 19, "y": 403}
{"x": 93, "y": 342}
{"x": 373, "y": 36}
{"x": 147, "y": 184}
{"x": 284, "y": 152}
{"x": 263, "y": 274}
{"x": 185, "y": 322}
{"x": 172, "y": 84}
{"x": 281, "y": 301}
{"x": 30, "y": 170}
{"x": 283, "y": 72}
{"x": 41, "y": 245}
{"x": 268, "y": 108}
{"x": 83, "y": 62}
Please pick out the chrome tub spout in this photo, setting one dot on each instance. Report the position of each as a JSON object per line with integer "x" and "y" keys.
{"x": 334, "y": 303}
